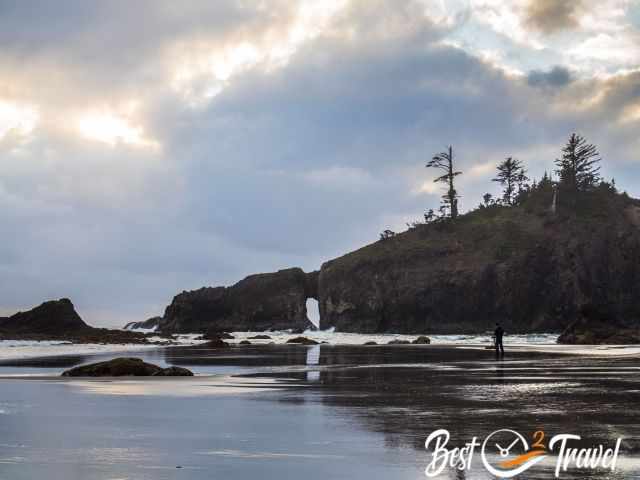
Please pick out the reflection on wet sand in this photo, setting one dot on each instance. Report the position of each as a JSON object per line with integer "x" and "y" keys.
{"x": 405, "y": 393}
{"x": 178, "y": 387}
{"x": 395, "y": 393}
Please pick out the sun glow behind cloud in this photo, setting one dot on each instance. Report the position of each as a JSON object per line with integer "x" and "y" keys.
{"x": 17, "y": 119}
{"x": 204, "y": 74}
{"x": 113, "y": 129}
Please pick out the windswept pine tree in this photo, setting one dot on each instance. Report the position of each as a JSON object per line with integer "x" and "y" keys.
{"x": 512, "y": 176}
{"x": 578, "y": 167}
{"x": 444, "y": 161}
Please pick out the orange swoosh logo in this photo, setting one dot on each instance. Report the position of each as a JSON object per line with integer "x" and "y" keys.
{"x": 521, "y": 459}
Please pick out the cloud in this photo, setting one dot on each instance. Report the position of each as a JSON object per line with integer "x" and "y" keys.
{"x": 551, "y": 16}
{"x": 296, "y": 132}
{"x": 557, "y": 77}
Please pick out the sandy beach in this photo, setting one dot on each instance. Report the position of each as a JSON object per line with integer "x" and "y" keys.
{"x": 325, "y": 411}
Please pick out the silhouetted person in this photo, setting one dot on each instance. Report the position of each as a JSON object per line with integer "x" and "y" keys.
{"x": 499, "y": 333}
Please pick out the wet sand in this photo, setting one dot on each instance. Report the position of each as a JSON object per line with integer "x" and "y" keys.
{"x": 284, "y": 411}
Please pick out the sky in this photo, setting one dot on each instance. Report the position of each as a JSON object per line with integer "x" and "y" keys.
{"x": 156, "y": 146}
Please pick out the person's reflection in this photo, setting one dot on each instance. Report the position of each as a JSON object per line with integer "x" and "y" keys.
{"x": 313, "y": 358}
{"x": 497, "y": 336}
{"x": 500, "y": 373}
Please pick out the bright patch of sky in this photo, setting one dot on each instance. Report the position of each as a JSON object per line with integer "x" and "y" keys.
{"x": 603, "y": 39}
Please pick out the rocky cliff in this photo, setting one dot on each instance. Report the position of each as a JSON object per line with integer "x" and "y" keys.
{"x": 529, "y": 268}
{"x": 523, "y": 266}
{"x": 266, "y": 301}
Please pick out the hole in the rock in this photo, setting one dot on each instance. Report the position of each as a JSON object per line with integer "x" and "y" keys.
{"x": 313, "y": 311}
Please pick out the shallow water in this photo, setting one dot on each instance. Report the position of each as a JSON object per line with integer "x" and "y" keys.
{"x": 286, "y": 411}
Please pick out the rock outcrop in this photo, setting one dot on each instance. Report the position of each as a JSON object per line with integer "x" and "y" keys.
{"x": 421, "y": 340}
{"x": 121, "y": 367}
{"x": 55, "y": 317}
{"x": 527, "y": 267}
{"x": 303, "y": 341}
{"x": 523, "y": 266}
{"x": 267, "y": 301}
{"x": 149, "y": 324}
{"x": 58, "y": 320}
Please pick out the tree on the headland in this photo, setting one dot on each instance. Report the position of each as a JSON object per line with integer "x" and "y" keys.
{"x": 387, "y": 234}
{"x": 444, "y": 162}
{"x": 487, "y": 201}
{"x": 578, "y": 167}
{"x": 512, "y": 176}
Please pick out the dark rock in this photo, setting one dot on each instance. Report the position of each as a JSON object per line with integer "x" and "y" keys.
{"x": 245, "y": 342}
{"x": 422, "y": 340}
{"x": 117, "y": 367}
{"x": 260, "y": 337}
{"x": 267, "y": 301}
{"x": 55, "y": 317}
{"x": 105, "y": 335}
{"x": 174, "y": 372}
{"x": 58, "y": 320}
{"x": 213, "y": 335}
{"x": 523, "y": 266}
{"x": 596, "y": 325}
{"x": 398, "y": 342}
{"x": 370, "y": 343}
{"x": 311, "y": 284}
{"x": 151, "y": 323}
{"x": 216, "y": 343}
{"x": 302, "y": 341}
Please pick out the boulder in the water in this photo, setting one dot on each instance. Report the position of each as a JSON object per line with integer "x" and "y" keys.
{"x": 302, "y": 341}
{"x": 216, "y": 343}
{"x": 370, "y": 343}
{"x": 422, "y": 340}
{"x": 260, "y": 337}
{"x": 124, "y": 367}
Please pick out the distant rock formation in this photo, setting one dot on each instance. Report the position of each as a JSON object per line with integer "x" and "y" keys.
{"x": 58, "y": 320}
{"x": 55, "y": 317}
{"x": 121, "y": 367}
{"x": 151, "y": 323}
{"x": 528, "y": 268}
{"x": 266, "y": 301}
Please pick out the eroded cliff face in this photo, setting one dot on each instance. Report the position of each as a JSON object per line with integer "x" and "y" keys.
{"x": 524, "y": 267}
{"x": 266, "y": 301}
